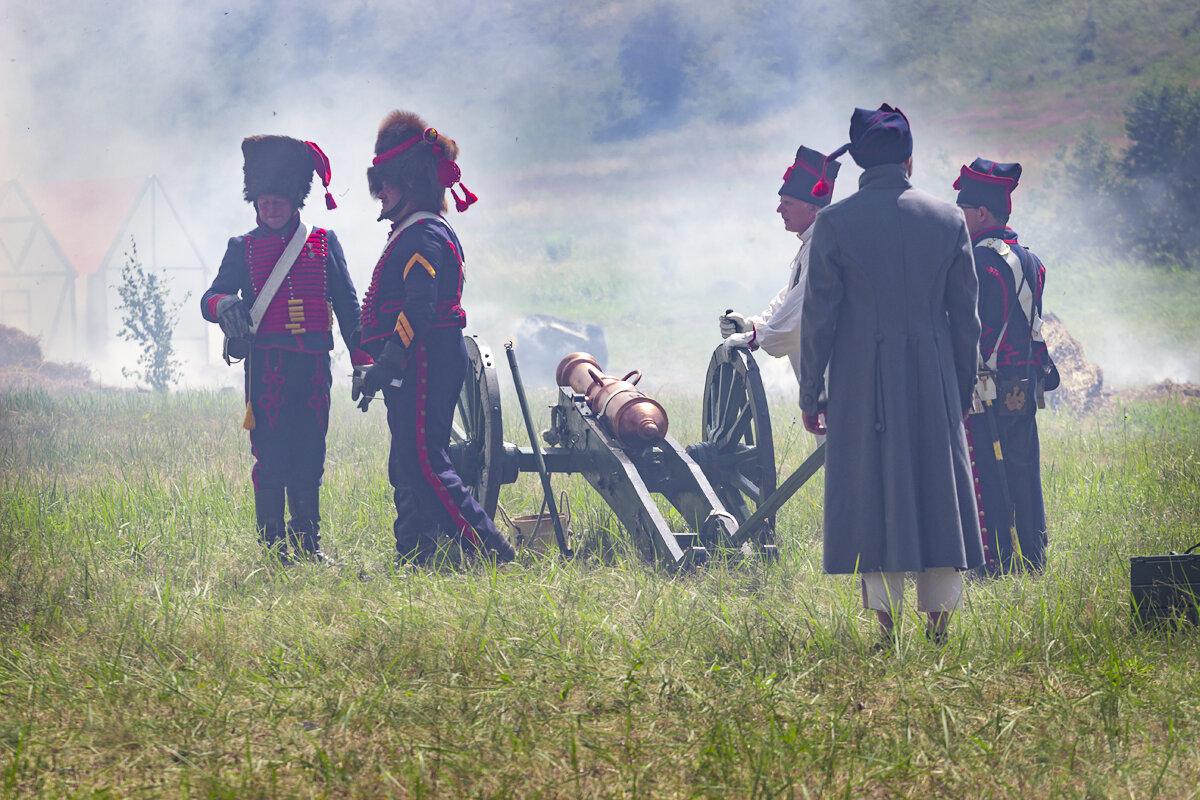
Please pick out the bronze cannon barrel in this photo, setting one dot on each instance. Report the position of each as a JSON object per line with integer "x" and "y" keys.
{"x": 636, "y": 421}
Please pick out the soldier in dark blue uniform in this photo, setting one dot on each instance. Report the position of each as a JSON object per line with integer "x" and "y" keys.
{"x": 412, "y": 325}
{"x": 1015, "y": 367}
{"x": 285, "y": 340}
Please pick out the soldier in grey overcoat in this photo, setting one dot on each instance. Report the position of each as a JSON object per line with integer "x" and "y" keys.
{"x": 889, "y": 308}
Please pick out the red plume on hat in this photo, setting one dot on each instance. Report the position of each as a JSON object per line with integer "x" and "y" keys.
{"x": 324, "y": 172}
{"x": 281, "y": 165}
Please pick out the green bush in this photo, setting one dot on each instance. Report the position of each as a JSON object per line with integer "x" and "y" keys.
{"x": 1148, "y": 196}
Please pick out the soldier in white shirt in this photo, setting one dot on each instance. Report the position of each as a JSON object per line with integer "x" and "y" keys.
{"x": 807, "y": 188}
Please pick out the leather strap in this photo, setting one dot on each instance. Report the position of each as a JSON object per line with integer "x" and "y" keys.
{"x": 278, "y": 273}
{"x": 1024, "y": 295}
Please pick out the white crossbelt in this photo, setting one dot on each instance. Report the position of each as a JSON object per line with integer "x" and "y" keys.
{"x": 278, "y": 273}
{"x": 985, "y": 389}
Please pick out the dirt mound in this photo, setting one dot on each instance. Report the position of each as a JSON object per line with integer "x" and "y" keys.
{"x": 22, "y": 366}
{"x": 1082, "y": 387}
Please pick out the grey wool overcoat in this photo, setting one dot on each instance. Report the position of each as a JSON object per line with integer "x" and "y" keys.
{"x": 890, "y": 309}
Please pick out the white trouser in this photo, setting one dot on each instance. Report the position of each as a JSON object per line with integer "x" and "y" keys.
{"x": 938, "y": 589}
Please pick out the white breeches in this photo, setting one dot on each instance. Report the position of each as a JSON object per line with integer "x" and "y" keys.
{"x": 938, "y": 589}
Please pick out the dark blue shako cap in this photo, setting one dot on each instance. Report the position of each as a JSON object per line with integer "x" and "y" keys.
{"x": 810, "y": 178}
{"x": 988, "y": 183}
{"x": 879, "y": 136}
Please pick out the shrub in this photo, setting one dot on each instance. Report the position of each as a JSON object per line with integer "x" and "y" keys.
{"x": 1148, "y": 195}
{"x": 148, "y": 320}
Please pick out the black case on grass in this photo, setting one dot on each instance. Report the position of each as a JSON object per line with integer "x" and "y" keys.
{"x": 1165, "y": 590}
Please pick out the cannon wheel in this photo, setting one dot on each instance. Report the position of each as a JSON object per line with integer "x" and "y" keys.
{"x": 477, "y": 437}
{"x": 740, "y": 453}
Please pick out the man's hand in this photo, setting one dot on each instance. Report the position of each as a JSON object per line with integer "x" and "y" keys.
{"x": 233, "y": 317}
{"x": 814, "y": 423}
{"x": 731, "y": 323}
{"x": 371, "y": 378}
{"x": 369, "y": 381}
{"x": 360, "y": 361}
{"x": 358, "y": 391}
{"x": 744, "y": 341}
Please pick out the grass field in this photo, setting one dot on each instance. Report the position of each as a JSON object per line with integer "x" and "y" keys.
{"x": 148, "y": 650}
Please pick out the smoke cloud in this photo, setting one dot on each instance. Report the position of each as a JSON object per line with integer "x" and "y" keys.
{"x": 626, "y": 154}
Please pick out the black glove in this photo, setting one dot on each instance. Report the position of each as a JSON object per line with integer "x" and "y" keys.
{"x": 233, "y": 317}
{"x": 356, "y": 387}
{"x": 387, "y": 368}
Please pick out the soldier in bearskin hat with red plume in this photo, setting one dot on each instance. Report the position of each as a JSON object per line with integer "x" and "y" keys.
{"x": 275, "y": 297}
{"x": 1015, "y": 365}
{"x": 412, "y": 324}
{"x": 889, "y": 332}
{"x": 807, "y": 188}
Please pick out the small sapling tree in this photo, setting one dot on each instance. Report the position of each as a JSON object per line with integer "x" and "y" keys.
{"x": 148, "y": 320}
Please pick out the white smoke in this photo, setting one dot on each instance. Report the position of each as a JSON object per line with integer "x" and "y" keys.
{"x": 650, "y": 230}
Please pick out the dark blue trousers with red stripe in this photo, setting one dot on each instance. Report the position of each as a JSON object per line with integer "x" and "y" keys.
{"x": 429, "y": 495}
{"x": 288, "y": 392}
{"x": 1022, "y": 469}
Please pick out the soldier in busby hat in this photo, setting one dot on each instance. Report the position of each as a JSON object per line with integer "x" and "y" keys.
{"x": 275, "y": 297}
{"x": 1014, "y": 362}
{"x": 888, "y": 330}
{"x": 807, "y": 188}
{"x": 412, "y": 324}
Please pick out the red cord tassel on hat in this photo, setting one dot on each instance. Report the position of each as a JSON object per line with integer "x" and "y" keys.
{"x": 465, "y": 202}
{"x": 822, "y": 188}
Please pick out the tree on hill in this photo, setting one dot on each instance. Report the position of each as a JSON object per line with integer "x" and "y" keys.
{"x": 1148, "y": 197}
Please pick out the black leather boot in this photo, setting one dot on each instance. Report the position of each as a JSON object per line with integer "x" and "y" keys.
{"x": 273, "y": 535}
{"x": 268, "y": 510}
{"x": 502, "y": 548}
{"x": 415, "y": 532}
{"x": 304, "y": 530}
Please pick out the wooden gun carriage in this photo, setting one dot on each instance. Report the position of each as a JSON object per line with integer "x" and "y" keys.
{"x": 723, "y": 487}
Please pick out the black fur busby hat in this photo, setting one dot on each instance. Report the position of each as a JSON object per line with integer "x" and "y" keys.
{"x": 811, "y": 177}
{"x": 284, "y": 166}
{"x": 989, "y": 184}
{"x": 417, "y": 160}
{"x": 879, "y": 136}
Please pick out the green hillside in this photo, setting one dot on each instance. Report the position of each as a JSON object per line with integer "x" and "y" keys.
{"x": 1032, "y": 68}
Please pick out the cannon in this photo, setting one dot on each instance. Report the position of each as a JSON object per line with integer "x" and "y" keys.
{"x": 603, "y": 428}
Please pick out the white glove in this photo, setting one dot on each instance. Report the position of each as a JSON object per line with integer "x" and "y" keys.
{"x": 739, "y": 340}
{"x": 731, "y": 323}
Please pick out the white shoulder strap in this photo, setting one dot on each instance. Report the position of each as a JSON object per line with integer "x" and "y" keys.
{"x": 1024, "y": 294}
{"x": 409, "y": 221}
{"x": 278, "y": 273}
{"x": 1024, "y": 290}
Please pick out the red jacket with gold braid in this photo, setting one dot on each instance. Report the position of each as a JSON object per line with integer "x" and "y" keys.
{"x": 416, "y": 287}
{"x": 317, "y": 287}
